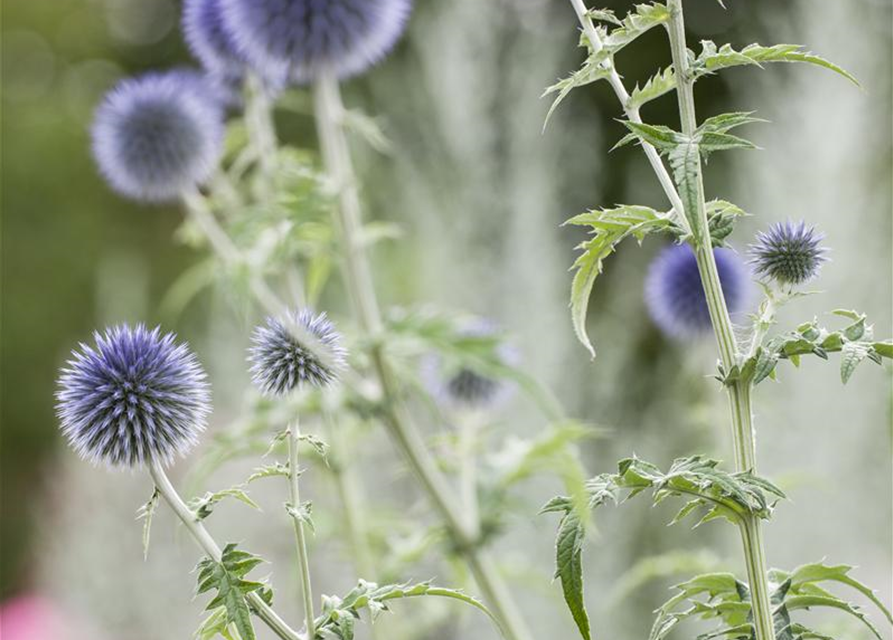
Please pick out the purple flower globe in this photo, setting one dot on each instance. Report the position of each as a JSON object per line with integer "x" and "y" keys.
{"x": 789, "y": 253}
{"x": 463, "y": 386}
{"x": 156, "y": 136}
{"x": 302, "y": 38}
{"x": 209, "y": 41}
{"x": 280, "y": 363}
{"x": 134, "y": 398}
{"x": 675, "y": 296}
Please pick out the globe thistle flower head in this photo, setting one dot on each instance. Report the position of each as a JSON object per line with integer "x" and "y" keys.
{"x": 675, "y": 296}
{"x": 134, "y": 398}
{"x": 158, "y": 135}
{"x": 301, "y": 38}
{"x": 280, "y": 362}
{"x": 789, "y": 253}
{"x": 209, "y": 40}
{"x": 458, "y": 385}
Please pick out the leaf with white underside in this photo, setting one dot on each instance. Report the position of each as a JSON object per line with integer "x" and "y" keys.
{"x": 712, "y": 59}
{"x": 593, "y": 70}
{"x": 340, "y": 613}
{"x": 706, "y": 488}
{"x": 855, "y": 343}
{"x": 599, "y": 64}
{"x": 659, "y": 84}
{"x": 607, "y": 227}
{"x": 722, "y": 597}
{"x": 146, "y": 513}
{"x": 204, "y": 506}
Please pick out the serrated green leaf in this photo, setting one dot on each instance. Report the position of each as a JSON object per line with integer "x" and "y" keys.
{"x": 593, "y": 70}
{"x": 277, "y": 469}
{"x": 226, "y": 577}
{"x": 204, "y": 505}
{"x": 609, "y": 227}
{"x": 794, "y": 603}
{"x": 851, "y": 355}
{"x": 303, "y": 513}
{"x": 712, "y": 59}
{"x": 338, "y": 614}
{"x": 820, "y": 572}
{"x": 659, "y": 84}
{"x": 660, "y": 137}
{"x": 569, "y": 569}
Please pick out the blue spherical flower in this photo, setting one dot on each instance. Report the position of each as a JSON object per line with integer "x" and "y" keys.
{"x": 301, "y": 38}
{"x": 280, "y": 362}
{"x": 675, "y": 296}
{"x": 460, "y": 385}
{"x": 788, "y": 252}
{"x": 209, "y": 41}
{"x": 136, "y": 397}
{"x": 156, "y": 136}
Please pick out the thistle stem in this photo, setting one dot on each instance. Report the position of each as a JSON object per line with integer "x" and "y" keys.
{"x": 663, "y": 176}
{"x": 210, "y": 547}
{"x": 739, "y": 391}
{"x": 329, "y": 111}
{"x": 294, "y": 442}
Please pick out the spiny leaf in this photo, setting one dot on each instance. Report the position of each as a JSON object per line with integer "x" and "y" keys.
{"x": 338, "y": 614}
{"x": 659, "y": 84}
{"x": 811, "y": 601}
{"x": 226, "y": 577}
{"x": 593, "y": 70}
{"x": 609, "y": 227}
{"x": 854, "y": 341}
{"x": 270, "y": 471}
{"x": 719, "y": 493}
{"x": 712, "y": 59}
{"x": 204, "y": 505}
{"x": 303, "y": 513}
{"x": 636, "y": 23}
{"x": 569, "y": 568}
{"x": 820, "y": 572}
{"x": 145, "y": 513}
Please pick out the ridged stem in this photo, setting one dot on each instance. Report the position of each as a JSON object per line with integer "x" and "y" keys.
{"x": 329, "y": 111}
{"x": 739, "y": 391}
{"x": 212, "y": 549}
{"x": 294, "y": 491}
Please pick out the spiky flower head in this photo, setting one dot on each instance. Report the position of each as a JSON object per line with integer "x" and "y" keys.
{"x": 158, "y": 135}
{"x": 301, "y": 38}
{"x": 460, "y": 385}
{"x": 208, "y": 39}
{"x": 280, "y": 362}
{"x": 789, "y": 253}
{"x": 134, "y": 398}
{"x": 675, "y": 296}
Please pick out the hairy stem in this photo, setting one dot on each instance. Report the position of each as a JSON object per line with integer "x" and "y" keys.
{"x": 663, "y": 176}
{"x": 739, "y": 392}
{"x": 294, "y": 491}
{"x": 329, "y": 111}
{"x": 209, "y": 546}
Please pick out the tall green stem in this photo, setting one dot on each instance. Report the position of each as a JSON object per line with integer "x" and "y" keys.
{"x": 210, "y": 547}
{"x": 329, "y": 111}
{"x": 294, "y": 442}
{"x": 739, "y": 392}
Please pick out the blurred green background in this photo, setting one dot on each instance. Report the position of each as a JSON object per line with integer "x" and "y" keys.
{"x": 480, "y": 192}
